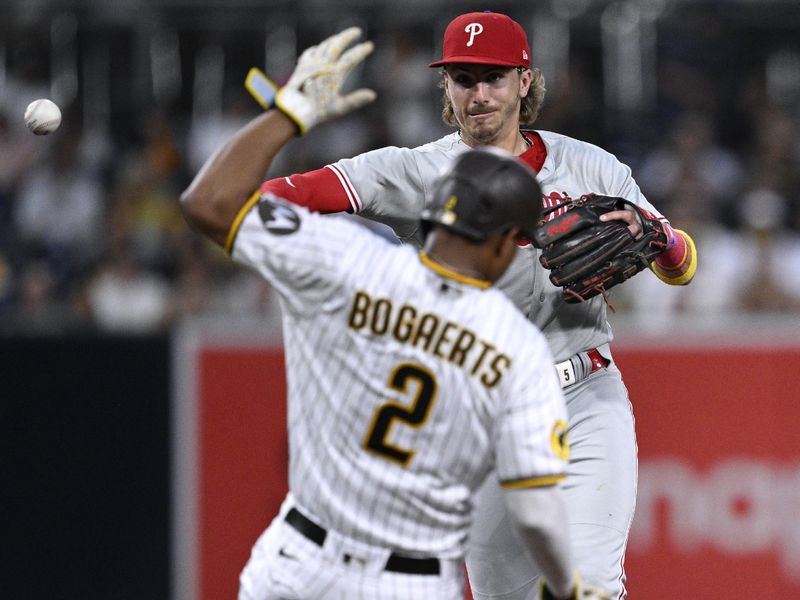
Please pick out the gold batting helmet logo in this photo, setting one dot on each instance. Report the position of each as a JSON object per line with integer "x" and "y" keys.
{"x": 448, "y": 216}
{"x": 558, "y": 439}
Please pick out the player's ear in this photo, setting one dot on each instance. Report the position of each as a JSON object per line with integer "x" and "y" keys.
{"x": 514, "y": 234}
{"x": 503, "y": 248}
{"x": 507, "y": 242}
{"x": 525, "y": 79}
{"x": 444, "y": 83}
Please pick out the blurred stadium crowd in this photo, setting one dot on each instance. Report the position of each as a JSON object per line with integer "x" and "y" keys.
{"x": 702, "y": 103}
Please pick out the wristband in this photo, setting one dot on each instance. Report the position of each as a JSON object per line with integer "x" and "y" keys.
{"x": 261, "y": 88}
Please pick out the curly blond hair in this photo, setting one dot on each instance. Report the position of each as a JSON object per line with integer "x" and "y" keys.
{"x": 529, "y": 107}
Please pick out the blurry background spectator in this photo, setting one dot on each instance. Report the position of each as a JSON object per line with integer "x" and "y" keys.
{"x": 124, "y": 296}
{"x": 690, "y": 157}
{"x": 58, "y": 209}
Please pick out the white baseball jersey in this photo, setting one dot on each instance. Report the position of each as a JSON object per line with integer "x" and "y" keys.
{"x": 407, "y": 383}
{"x": 391, "y": 185}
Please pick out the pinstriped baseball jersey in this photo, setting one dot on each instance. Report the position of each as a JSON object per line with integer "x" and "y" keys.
{"x": 407, "y": 383}
{"x": 391, "y": 185}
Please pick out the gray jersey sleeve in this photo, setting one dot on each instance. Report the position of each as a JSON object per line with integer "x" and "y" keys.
{"x": 575, "y": 167}
{"x": 388, "y": 187}
{"x": 621, "y": 182}
{"x": 392, "y": 185}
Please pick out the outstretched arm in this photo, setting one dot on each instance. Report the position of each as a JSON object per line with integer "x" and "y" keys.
{"x": 235, "y": 171}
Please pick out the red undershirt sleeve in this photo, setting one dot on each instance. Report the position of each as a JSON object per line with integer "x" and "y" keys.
{"x": 321, "y": 191}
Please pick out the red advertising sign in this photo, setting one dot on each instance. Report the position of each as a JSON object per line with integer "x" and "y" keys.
{"x": 718, "y": 510}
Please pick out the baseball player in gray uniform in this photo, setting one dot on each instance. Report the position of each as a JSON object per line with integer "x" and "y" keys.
{"x": 409, "y": 377}
{"x": 490, "y": 90}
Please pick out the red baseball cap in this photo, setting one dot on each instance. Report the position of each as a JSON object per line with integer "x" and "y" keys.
{"x": 486, "y": 38}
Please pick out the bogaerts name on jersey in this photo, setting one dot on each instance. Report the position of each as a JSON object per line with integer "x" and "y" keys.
{"x": 430, "y": 332}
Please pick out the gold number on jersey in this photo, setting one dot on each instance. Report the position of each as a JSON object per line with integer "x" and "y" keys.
{"x": 414, "y": 416}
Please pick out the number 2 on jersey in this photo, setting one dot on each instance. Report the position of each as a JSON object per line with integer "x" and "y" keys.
{"x": 414, "y": 415}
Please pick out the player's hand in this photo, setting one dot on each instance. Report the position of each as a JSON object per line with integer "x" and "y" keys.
{"x": 312, "y": 94}
{"x": 588, "y": 592}
{"x": 581, "y": 591}
{"x": 629, "y": 217}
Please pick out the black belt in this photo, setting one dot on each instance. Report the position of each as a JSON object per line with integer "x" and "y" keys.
{"x": 396, "y": 563}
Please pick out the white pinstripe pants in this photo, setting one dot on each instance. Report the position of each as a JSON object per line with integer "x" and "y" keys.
{"x": 285, "y": 565}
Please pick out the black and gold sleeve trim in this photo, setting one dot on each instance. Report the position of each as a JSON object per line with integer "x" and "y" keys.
{"x": 237, "y": 222}
{"x": 515, "y": 484}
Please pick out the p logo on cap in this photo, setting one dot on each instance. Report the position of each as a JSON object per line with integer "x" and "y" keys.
{"x": 485, "y": 38}
{"x": 473, "y": 29}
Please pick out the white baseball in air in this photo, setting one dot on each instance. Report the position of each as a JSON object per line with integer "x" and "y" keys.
{"x": 42, "y": 116}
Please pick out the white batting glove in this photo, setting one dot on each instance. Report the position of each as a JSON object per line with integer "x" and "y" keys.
{"x": 312, "y": 94}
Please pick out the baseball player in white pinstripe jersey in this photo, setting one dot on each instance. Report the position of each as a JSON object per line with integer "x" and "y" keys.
{"x": 489, "y": 91}
{"x": 409, "y": 380}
